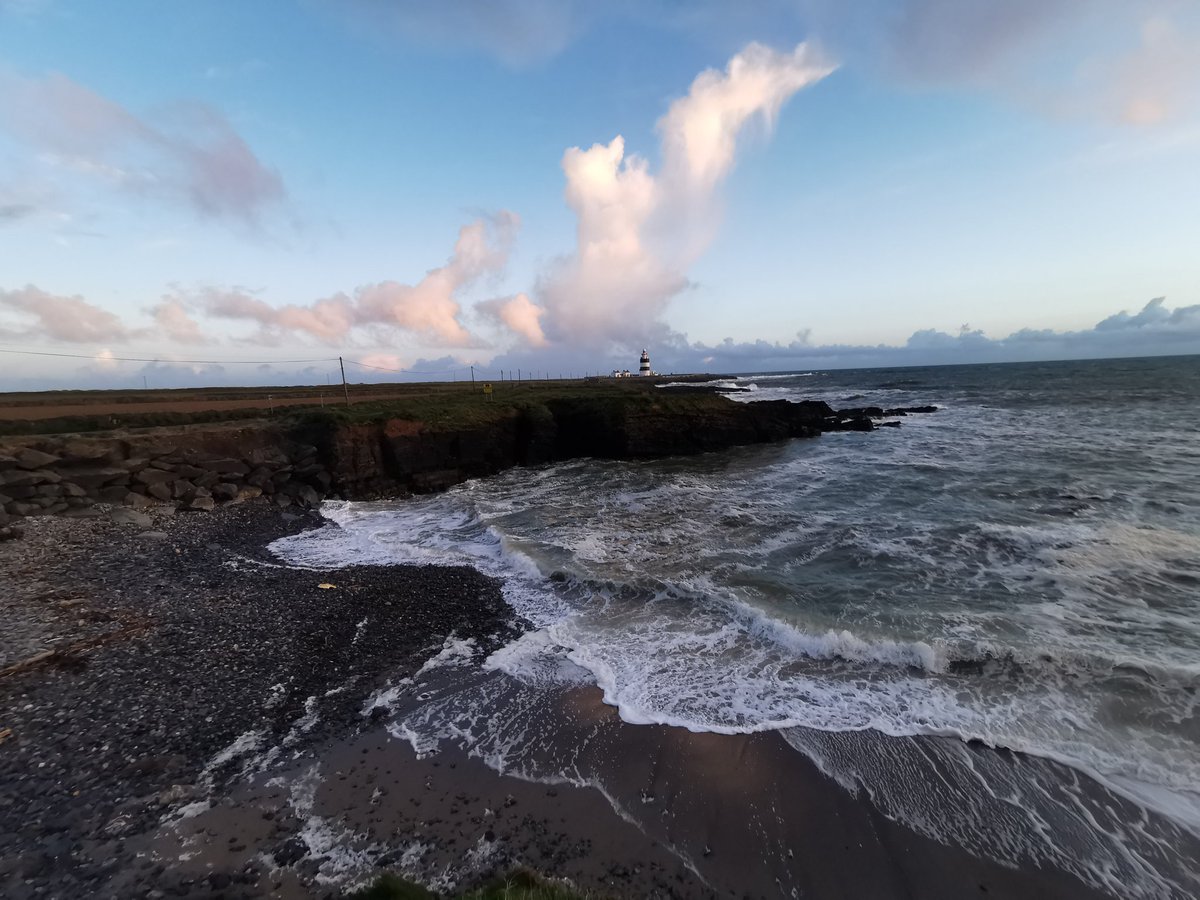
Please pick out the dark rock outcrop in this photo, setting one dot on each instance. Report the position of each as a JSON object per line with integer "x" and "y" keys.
{"x": 302, "y": 463}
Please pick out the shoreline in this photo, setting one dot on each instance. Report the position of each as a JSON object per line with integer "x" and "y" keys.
{"x": 205, "y": 655}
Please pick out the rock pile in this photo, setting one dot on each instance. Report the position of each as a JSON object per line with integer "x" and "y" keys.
{"x": 71, "y": 476}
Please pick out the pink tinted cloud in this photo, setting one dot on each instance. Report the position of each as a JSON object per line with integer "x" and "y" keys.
{"x": 60, "y": 318}
{"x": 192, "y": 155}
{"x": 429, "y": 310}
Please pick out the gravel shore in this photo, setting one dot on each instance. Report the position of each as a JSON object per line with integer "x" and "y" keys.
{"x": 173, "y": 643}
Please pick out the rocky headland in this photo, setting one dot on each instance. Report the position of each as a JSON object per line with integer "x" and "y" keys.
{"x": 382, "y": 452}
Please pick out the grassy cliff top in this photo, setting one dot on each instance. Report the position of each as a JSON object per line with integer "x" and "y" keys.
{"x": 438, "y": 405}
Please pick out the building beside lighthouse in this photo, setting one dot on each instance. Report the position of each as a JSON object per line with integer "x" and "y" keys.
{"x": 644, "y": 366}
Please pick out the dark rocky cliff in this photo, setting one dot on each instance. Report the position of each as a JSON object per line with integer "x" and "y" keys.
{"x": 395, "y": 456}
{"x": 368, "y": 453}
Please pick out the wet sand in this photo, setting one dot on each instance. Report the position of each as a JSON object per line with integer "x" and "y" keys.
{"x": 666, "y": 813}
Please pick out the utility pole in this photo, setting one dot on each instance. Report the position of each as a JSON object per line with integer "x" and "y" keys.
{"x": 345, "y": 388}
{"x": 472, "y": 377}
{"x": 518, "y": 374}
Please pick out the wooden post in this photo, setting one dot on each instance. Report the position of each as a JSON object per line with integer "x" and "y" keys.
{"x": 345, "y": 388}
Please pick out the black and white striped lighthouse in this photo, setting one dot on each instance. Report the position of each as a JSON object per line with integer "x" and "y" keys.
{"x": 644, "y": 368}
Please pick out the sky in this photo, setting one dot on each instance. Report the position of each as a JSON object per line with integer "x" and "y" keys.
{"x": 240, "y": 193}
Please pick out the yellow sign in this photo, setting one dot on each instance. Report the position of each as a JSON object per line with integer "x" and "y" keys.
{"x": 487, "y": 388}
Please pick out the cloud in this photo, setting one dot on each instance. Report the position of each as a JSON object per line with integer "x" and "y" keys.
{"x": 638, "y": 232}
{"x": 173, "y": 319}
{"x": 515, "y": 31}
{"x": 430, "y": 310}
{"x": 1136, "y": 63}
{"x": 190, "y": 154}
{"x": 59, "y": 318}
{"x": 1154, "y": 330}
{"x": 1159, "y": 79}
{"x": 14, "y": 212}
{"x": 518, "y": 314}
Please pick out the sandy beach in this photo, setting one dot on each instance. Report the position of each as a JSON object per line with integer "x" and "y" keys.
{"x": 201, "y": 732}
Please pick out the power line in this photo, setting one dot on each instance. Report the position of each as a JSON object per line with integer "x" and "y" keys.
{"x": 221, "y": 362}
{"x": 205, "y": 362}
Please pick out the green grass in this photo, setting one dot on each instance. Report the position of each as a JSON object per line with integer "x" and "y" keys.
{"x": 447, "y": 405}
{"x": 520, "y": 884}
{"x": 464, "y": 409}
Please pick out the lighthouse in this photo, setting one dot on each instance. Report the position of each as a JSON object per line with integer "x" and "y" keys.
{"x": 644, "y": 367}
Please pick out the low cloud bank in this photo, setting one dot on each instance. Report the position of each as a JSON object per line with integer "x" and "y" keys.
{"x": 1155, "y": 330}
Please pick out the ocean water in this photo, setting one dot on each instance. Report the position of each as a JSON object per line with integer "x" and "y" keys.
{"x": 1020, "y": 571}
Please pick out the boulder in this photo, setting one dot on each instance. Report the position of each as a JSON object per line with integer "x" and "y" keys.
{"x": 151, "y": 475}
{"x": 113, "y": 493}
{"x": 137, "y": 501}
{"x": 84, "y": 452}
{"x": 50, "y": 490}
{"x": 301, "y": 493}
{"x": 248, "y": 492}
{"x": 186, "y": 470}
{"x": 134, "y": 463}
{"x": 93, "y": 477}
{"x": 268, "y": 457}
{"x": 224, "y": 491}
{"x": 207, "y": 480}
{"x": 226, "y": 466}
{"x": 123, "y": 515}
{"x": 161, "y": 491}
{"x": 181, "y": 488}
{"x": 260, "y": 477}
{"x": 7, "y": 462}
{"x": 197, "y": 504}
{"x": 28, "y": 458}
{"x": 25, "y": 477}
{"x": 17, "y": 508}
{"x": 73, "y": 490}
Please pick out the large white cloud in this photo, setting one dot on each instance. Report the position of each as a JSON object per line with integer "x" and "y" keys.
{"x": 638, "y": 232}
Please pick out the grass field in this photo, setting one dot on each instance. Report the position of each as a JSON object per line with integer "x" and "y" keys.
{"x": 58, "y": 412}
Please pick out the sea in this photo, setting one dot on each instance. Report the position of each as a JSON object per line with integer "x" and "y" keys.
{"x": 986, "y": 621}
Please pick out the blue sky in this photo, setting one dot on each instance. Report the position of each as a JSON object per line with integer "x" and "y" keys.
{"x": 913, "y": 181}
